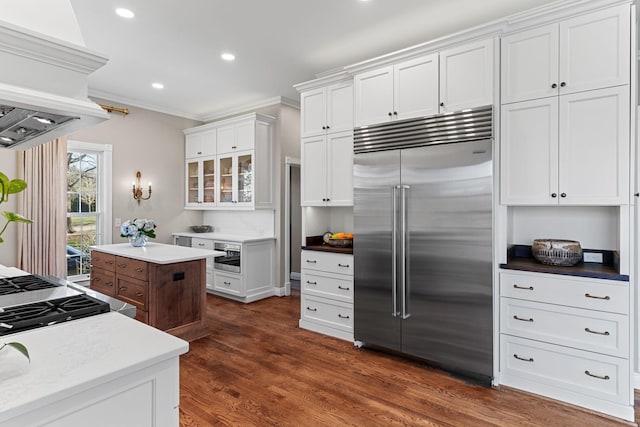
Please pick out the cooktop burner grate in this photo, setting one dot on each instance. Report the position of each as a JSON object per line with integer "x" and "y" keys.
{"x": 12, "y": 285}
{"x": 44, "y": 313}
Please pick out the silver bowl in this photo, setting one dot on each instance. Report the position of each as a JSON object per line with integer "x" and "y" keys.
{"x": 557, "y": 251}
{"x": 201, "y": 228}
{"x": 340, "y": 243}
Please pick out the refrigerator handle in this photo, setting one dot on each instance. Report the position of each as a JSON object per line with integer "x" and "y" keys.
{"x": 394, "y": 249}
{"x": 403, "y": 251}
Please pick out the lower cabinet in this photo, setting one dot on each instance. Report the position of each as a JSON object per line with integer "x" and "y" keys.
{"x": 169, "y": 297}
{"x": 567, "y": 338}
{"x": 326, "y": 293}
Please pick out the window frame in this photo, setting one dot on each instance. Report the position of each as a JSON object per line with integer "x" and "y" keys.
{"x": 104, "y": 156}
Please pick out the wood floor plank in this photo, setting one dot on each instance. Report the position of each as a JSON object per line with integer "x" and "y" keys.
{"x": 257, "y": 368}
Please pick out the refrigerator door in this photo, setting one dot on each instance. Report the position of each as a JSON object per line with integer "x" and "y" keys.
{"x": 375, "y": 180}
{"x": 448, "y": 196}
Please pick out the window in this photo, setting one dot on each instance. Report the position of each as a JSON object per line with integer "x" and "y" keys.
{"x": 88, "y": 204}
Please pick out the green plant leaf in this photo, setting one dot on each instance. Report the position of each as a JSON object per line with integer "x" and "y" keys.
{"x": 16, "y": 186}
{"x": 1, "y": 240}
{"x": 21, "y": 348}
{"x": 4, "y": 187}
{"x": 14, "y": 217}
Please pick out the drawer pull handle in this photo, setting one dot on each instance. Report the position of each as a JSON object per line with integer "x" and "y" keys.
{"x": 109, "y": 284}
{"x": 200, "y": 244}
{"x": 312, "y": 309}
{"x": 108, "y": 262}
{"x": 122, "y": 265}
{"x": 342, "y": 317}
{"x": 606, "y": 377}
{"x": 530, "y": 288}
{"x": 311, "y": 283}
{"x": 606, "y": 333}
{"x": 227, "y": 283}
{"x": 523, "y": 359}
{"x": 97, "y": 279}
{"x": 523, "y": 319}
{"x": 343, "y": 288}
{"x": 343, "y": 265}
{"x": 311, "y": 261}
{"x": 123, "y": 288}
{"x": 139, "y": 294}
{"x": 139, "y": 270}
{"x": 606, "y": 297}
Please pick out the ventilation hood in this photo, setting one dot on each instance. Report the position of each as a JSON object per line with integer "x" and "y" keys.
{"x": 43, "y": 88}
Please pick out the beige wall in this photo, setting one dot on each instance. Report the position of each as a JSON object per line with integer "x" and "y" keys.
{"x": 152, "y": 143}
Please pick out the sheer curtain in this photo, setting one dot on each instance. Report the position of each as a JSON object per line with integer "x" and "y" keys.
{"x": 42, "y": 245}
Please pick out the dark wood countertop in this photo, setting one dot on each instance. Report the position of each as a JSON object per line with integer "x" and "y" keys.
{"x": 315, "y": 243}
{"x": 520, "y": 258}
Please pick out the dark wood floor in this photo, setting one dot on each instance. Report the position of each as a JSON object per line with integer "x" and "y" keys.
{"x": 257, "y": 368}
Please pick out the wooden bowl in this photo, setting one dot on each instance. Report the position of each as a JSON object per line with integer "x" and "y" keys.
{"x": 557, "y": 251}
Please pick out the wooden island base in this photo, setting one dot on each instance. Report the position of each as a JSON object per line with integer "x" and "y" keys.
{"x": 170, "y": 297}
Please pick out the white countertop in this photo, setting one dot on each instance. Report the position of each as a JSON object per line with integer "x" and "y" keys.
{"x": 158, "y": 253}
{"x": 225, "y": 237}
{"x": 71, "y": 357}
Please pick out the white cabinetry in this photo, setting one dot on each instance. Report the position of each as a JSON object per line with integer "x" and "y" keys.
{"x": 326, "y": 294}
{"x": 327, "y": 174}
{"x": 238, "y": 173}
{"x": 570, "y": 150}
{"x": 199, "y": 243}
{"x": 327, "y": 109}
{"x": 583, "y": 53}
{"x": 567, "y": 338}
{"x": 454, "y": 79}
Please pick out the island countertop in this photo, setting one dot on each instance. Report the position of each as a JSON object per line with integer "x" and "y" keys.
{"x": 71, "y": 358}
{"x": 157, "y": 253}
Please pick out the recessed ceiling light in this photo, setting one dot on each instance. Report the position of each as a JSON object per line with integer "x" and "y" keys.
{"x": 125, "y": 13}
{"x": 157, "y": 85}
{"x": 228, "y": 56}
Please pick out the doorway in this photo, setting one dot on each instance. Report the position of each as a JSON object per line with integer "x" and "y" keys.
{"x": 293, "y": 224}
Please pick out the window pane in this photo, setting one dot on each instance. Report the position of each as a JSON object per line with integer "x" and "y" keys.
{"x": 73, "y": 202}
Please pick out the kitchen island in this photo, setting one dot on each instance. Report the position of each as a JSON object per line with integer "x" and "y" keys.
{"x": 166, "y": 283}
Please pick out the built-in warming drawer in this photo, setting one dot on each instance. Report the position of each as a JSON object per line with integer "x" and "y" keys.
{"x": 333, "y": 314}
{"x": 561, "y": 372}
{"x": 591, "y": 330}
{"x": 593, "y": 294}
{"x": 336, "y": 287}
{"x": 327, "y": 262}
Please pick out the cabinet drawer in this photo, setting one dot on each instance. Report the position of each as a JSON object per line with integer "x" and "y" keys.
{"x": 603, "y": 295}
{"x": 133, "y": 291}
{"x": 104, "y": 261}
{"x": 227, "y": 283}
{"x": 132, "y": 268}
{"x": 591, "y": 330}
{"x": 335, "y": 287}
{"x": 574, "y": 371}
{"x": 325, "y": 261}
{"x": 199, "y": 243}
{"x": 103, "y": 281}
{"x": 327, "y": 312}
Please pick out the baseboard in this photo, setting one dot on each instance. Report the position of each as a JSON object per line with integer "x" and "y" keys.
{"x": 294, "y": 276}
{"x": 283, "y": 291}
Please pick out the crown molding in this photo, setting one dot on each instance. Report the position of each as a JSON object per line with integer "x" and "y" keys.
{"x": 216, "y": 115}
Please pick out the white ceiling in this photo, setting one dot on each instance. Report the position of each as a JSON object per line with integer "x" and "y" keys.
{"x": 277, "y": 44}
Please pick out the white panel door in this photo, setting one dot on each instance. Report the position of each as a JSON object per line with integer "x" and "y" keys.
{"x": 529, "y": 152}
{"x": 314, "y": 171}
{"x": 340, "y": 169}
{"x": 373, "y": 96}
{"x": 595, "y": 50}
{"x": 313, "y": 110}
{"x": 594, "y": 147}
{"x": 415, "y": 85}
{"x": 466, "y": 76}
{"x": 530, "y": 64}
{"x": 340, "y": 107}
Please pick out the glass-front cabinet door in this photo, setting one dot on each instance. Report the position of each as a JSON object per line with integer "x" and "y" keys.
{"x": 193, "y": 182}
{"x": 245, "y": 178}
{"x": 201, "y": 182}
{"x": 209, "y": 181}
{"x": 236, "y": 179}
{"x": 226, "y": 180}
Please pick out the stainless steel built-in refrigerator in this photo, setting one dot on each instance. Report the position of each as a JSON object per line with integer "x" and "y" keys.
{"x": 423, "y": 239}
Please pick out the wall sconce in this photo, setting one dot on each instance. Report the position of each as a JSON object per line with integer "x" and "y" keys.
{"x": 137, "y": 189}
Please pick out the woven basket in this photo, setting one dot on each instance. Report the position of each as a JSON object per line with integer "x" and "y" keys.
{"x": 557, "y": 252}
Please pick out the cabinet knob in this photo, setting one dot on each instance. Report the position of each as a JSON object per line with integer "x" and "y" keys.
{"x": 199, "y": 152}
{"x": 395, "y": 113}
{"x": 563, "y": 194}
{"x": 324, "y": 127}
{"x": 328, "y": 127}
{"x": 553, "y": 86}
{"x": 637, "y": 194}
{"x": 390, "y": 114}
{"x": 442, "y": 104}
{"x": 563, "y": 84}
{"x": 554, "y": 195}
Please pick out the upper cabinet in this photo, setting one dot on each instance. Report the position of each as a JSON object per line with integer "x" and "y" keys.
{"x": 454, "y": 79}
{"x": 466, "y": 76}
{"x": 588, "y": 52}
{"x": 327, "y": 110}
{"x": 236, "y": 172}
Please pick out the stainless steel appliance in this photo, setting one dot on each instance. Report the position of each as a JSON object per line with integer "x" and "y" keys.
{"x": 423, "y": 239}
{"x": 183, "y": 241}
{"x": 231, "y": 260}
